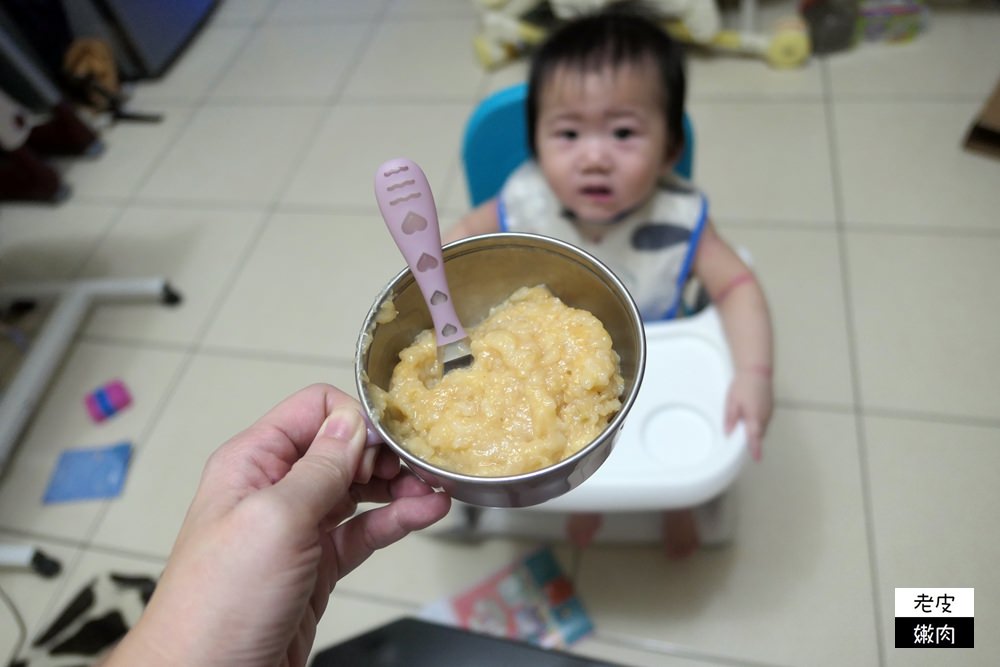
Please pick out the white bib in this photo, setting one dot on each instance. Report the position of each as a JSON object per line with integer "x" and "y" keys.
{"x": 651, "y": 249}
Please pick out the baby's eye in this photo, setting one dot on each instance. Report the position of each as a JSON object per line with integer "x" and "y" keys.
{"x": 567, "y": 134}
{"x": 623, "y": 132}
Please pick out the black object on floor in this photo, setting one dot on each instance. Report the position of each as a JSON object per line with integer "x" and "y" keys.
{"x": 95, "y": 618}
{"x": 412, "y": 642}
{"x": 26, "y": 177}
{"x": 65, "y": 134}
{"x": 831, "y": 24}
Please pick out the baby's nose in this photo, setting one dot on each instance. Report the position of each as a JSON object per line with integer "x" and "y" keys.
{"x": 594, "y": 154}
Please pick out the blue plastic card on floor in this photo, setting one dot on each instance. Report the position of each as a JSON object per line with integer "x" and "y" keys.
{"x": 89, "y": 473}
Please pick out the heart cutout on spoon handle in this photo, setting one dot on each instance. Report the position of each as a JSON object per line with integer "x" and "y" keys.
{"x": 407, "y": 206}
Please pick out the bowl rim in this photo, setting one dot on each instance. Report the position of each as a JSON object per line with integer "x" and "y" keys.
{"x": 610, "y": 430}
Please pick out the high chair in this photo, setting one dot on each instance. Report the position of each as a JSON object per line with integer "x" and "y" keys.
{"x": 672, "y": 452}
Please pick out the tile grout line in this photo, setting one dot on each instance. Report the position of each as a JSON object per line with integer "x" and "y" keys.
{"x": 923, "y": 230}
{"x": 346, "y": 591}
{"x": 455, "y": 174}
{"x": 859, "y": 227}
{"x": 87, "y": 544}
{"x": 919, "y": 98}
{"x": 222, "y": 351}
{"x": 675, "y": 650}
{"x": 191, "y": 350}
{"x": 132, "y": 199}
{"x": 769, "y": 224}
{"x": 634, "y": 643}
{"x": 274, "y": 206}
{"x": 852, "y": 352}
{"x": 801, "y": 225}
{"x": 268, "y": 212}
{"x": 374, "y": 25}
{"x": 84, "y": 546}
{"x": 932, "y": 417}
{"x": 71, "y": 543}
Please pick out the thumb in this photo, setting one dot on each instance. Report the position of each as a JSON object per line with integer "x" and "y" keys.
{"x": 322, "y": 477}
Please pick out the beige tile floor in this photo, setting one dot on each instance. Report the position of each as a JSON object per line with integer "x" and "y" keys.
{"x": 876, "y": 236}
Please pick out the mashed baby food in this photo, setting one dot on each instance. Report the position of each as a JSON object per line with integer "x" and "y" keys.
{"x": 544, "y": 383}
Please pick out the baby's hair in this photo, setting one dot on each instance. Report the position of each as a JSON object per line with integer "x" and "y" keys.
{"x": 621, "y": 33}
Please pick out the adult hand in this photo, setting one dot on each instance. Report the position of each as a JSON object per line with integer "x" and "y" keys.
{"x": 270, "y": 532}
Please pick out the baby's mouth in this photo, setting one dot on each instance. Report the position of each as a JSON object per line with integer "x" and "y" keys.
{"x": 596, "y": 191}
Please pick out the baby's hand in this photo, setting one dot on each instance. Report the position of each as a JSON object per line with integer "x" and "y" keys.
{"x": 750, "y": 399}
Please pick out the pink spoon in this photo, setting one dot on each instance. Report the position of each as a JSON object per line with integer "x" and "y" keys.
{"x": 407, "y": 205}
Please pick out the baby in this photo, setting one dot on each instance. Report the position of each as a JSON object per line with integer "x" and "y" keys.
{"x": 605, "y": 113}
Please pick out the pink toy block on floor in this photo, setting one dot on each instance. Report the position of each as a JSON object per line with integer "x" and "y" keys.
{"x": 107, "y": 400}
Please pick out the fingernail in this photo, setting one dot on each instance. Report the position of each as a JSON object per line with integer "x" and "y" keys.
{"x": 367, "y": 467}
{"x": 371, "y": 435}
{"x": 369, "y": 459}
{"x": 344, "y": 423}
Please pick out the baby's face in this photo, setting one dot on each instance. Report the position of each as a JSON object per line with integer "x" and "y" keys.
{"x": 601, "y": 139}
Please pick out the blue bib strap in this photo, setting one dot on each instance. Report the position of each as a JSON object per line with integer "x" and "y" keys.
{"x": 682, "y": 277}
{"x": 502, "y": 215}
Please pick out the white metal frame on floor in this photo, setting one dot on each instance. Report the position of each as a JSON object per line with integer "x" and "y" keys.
{"x": 72, "y": 302}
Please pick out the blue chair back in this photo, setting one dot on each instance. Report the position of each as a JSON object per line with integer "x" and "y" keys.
{"x": 496, "y": 143}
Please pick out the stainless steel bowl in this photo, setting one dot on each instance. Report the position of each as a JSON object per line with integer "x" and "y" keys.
{"x": 482, "y": 272}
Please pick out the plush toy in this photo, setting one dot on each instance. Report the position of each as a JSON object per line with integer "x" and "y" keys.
{"x": 510, "y": 28}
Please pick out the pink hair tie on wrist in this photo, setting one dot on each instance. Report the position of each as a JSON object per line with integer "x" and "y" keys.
{"x": 760, "y": 369}
{"x": 742, "y": 278}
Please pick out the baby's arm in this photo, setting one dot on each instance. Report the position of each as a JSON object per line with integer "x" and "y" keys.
{"x": 734, "y": 290}
{"x": 480, "y": 220}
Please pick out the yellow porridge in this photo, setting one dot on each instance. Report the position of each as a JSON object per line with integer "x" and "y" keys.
{"x": 545, "y": 382}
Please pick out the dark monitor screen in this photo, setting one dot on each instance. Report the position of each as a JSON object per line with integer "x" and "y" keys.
{"x": 410, "y": 642}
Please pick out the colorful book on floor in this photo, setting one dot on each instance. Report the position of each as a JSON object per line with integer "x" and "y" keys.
{"x": 531, "y": 600}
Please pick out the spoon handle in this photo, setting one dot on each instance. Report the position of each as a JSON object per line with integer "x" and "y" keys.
{"x": 407, "y": 206}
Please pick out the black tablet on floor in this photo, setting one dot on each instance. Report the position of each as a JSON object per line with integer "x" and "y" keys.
{"x": 411, "y": 642}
